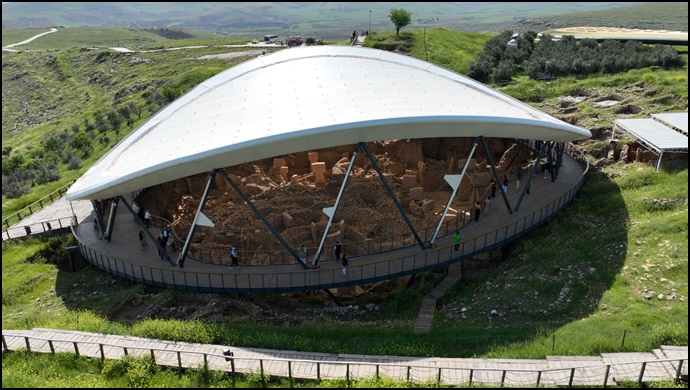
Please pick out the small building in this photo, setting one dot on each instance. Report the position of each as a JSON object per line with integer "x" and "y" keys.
{"x": 293, "y": 41}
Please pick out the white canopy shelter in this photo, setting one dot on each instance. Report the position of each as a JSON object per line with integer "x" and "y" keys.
{"x": 304, "y": 99}
{"x": 653, "y": 135}
{"x": 676, "y": 120}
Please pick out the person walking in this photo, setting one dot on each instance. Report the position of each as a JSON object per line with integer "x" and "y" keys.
{"x": 338, "y": 247}
{"x": 345, "y": 262}
{"x": 142, "y": 240}
{"x": 303, "y": 254}
{"x": 147, "y": 219}
{"x": 477, "y": 211}
{"x": 456, "y": 241}
{"x": 233, "y": 258}
{"x": 494, "y": 187}
{"x": 166, "y": 235}
{"x": 529, "y": 186}
{"x": 487, "y": 203}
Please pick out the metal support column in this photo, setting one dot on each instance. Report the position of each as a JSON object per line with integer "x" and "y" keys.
{"x": 99, "y": 218}
{"x": 111, "y": 219}
{"x": 530, "y": 177}
{"x": 493, "y": 169}
{"x": 188, "y": 242}
{"x": 390, "y": 192}
{"x": 330, "y": 211}
{"x": 454, "y": 181}
{"x": 261, "y": 216}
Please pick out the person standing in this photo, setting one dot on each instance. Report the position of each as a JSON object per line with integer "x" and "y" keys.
{"x": 166, "y": 235}
{"x": 477, "y": 211}
{"x": 161, "y": 248}
{"x": 345, "y": 264}
{"x": 487, "y": 203}
{"x": 303, "y": 254}
{"x": 135, "y": 210}
{"x": 529, "y": 186}
{"x": 338, "y": 247}
{"x": 142, "y": 240}
{"x": 233, "y": 258}
{"x": 505, "y": 183}
{"x": 494, "y": 187}
{"x": 147, "y": 219}
{"x": 456, "y": 241}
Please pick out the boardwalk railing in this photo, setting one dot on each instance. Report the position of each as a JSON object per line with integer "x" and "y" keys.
{"x": 431, "y": 371}
{"x": 395, "y": 264}
{"x": 34, "y": 207}
{"x": 39, "y": 228}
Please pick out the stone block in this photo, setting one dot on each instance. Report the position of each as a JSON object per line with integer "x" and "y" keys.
{"x": 409, "y": 181}
{"x": 284, "y": 173}
{"x": 288, "y": 221}
{"x": 314, "y": 233}
{"x": 481, "y": 179}
{"x": 313, "y": 157}
{"x": 428, "y": 206}
{"x": 417, "y": 193}
{"x": 318, "y": 169}
{"x": 278, "y": 162}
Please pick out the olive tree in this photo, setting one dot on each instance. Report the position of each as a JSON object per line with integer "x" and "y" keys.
{"x": 400, "y": 18}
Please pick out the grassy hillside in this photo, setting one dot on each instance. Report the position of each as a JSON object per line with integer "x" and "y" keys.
{"x": 613, "y": 263}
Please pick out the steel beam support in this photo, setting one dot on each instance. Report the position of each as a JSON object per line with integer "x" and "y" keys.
{"x": 390, "y": 192}
{"x": 99, "y": 218}
{"x": 330, "y": 211}
{"x": 454, "y": 181}
{"x": 261, "y": 216}
{"x": 493, "y": 169}
{"x": 188, "y": 242}
{"x": 111, "y": 219}
{"x": 530, "y": 177}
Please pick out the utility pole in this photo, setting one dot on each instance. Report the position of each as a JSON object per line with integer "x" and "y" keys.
{"x": 369, "y": 30}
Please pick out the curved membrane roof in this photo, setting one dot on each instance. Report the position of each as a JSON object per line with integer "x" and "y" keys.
{"x": 304, "y": 99}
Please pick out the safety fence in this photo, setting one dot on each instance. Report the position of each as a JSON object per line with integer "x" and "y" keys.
{"x": 429, "y": 370}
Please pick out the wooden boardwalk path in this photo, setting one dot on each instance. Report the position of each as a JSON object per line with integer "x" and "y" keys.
{"x": 666, "y": 363}
{"x": 426, "y": 311}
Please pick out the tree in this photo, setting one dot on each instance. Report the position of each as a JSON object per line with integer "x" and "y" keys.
{"x": 400, "y": 18}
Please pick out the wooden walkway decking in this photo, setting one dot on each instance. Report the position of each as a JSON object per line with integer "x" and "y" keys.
{"x": 608, "y": 368}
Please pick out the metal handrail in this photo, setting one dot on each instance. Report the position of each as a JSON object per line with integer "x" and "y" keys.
{"x": 30, "y": 209}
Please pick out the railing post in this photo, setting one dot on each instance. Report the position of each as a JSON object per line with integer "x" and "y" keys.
{"x": 4, "y": 344}
{"x": 538, "y": 377}
{"x": 503, "y": 378}
{"x": 179, "y": 360}
{"x": 153, "y": 355}
{"x": 572, "y": 375}
{"x": 438, "y": 377}
{"x": 126, "y": 352}
{"x": 261, "y": 365}
{"x": 408, "y": 373}
{"x": 347, "y": 374}
{"x": 471, "y": 373}
{"x": 679, "y": 369}
{"x": 639, "y": 378}
{"x": 377, "y": 372}
{"x": 100, "y": 347}
{"x": 28, "y": 344}
{"x": 290, "y": 374}
{"x": 50, "y": 344}
{"x": 76, "y": 348}
{"x": 606, "y": 374}
{"x": 318, "y": 370}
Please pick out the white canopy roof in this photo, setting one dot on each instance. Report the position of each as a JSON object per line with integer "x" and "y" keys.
{"x": 304, "y": 99}
{"x": 677, "y": 120}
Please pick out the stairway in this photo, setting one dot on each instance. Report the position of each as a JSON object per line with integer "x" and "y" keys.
{"x": 426, "y": 311}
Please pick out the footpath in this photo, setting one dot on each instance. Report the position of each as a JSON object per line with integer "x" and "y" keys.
{"x": 665, "y": 363}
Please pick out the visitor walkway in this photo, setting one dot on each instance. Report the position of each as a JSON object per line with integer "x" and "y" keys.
{"x": 497, "y": 226}
{"x": 665, "y": 363}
